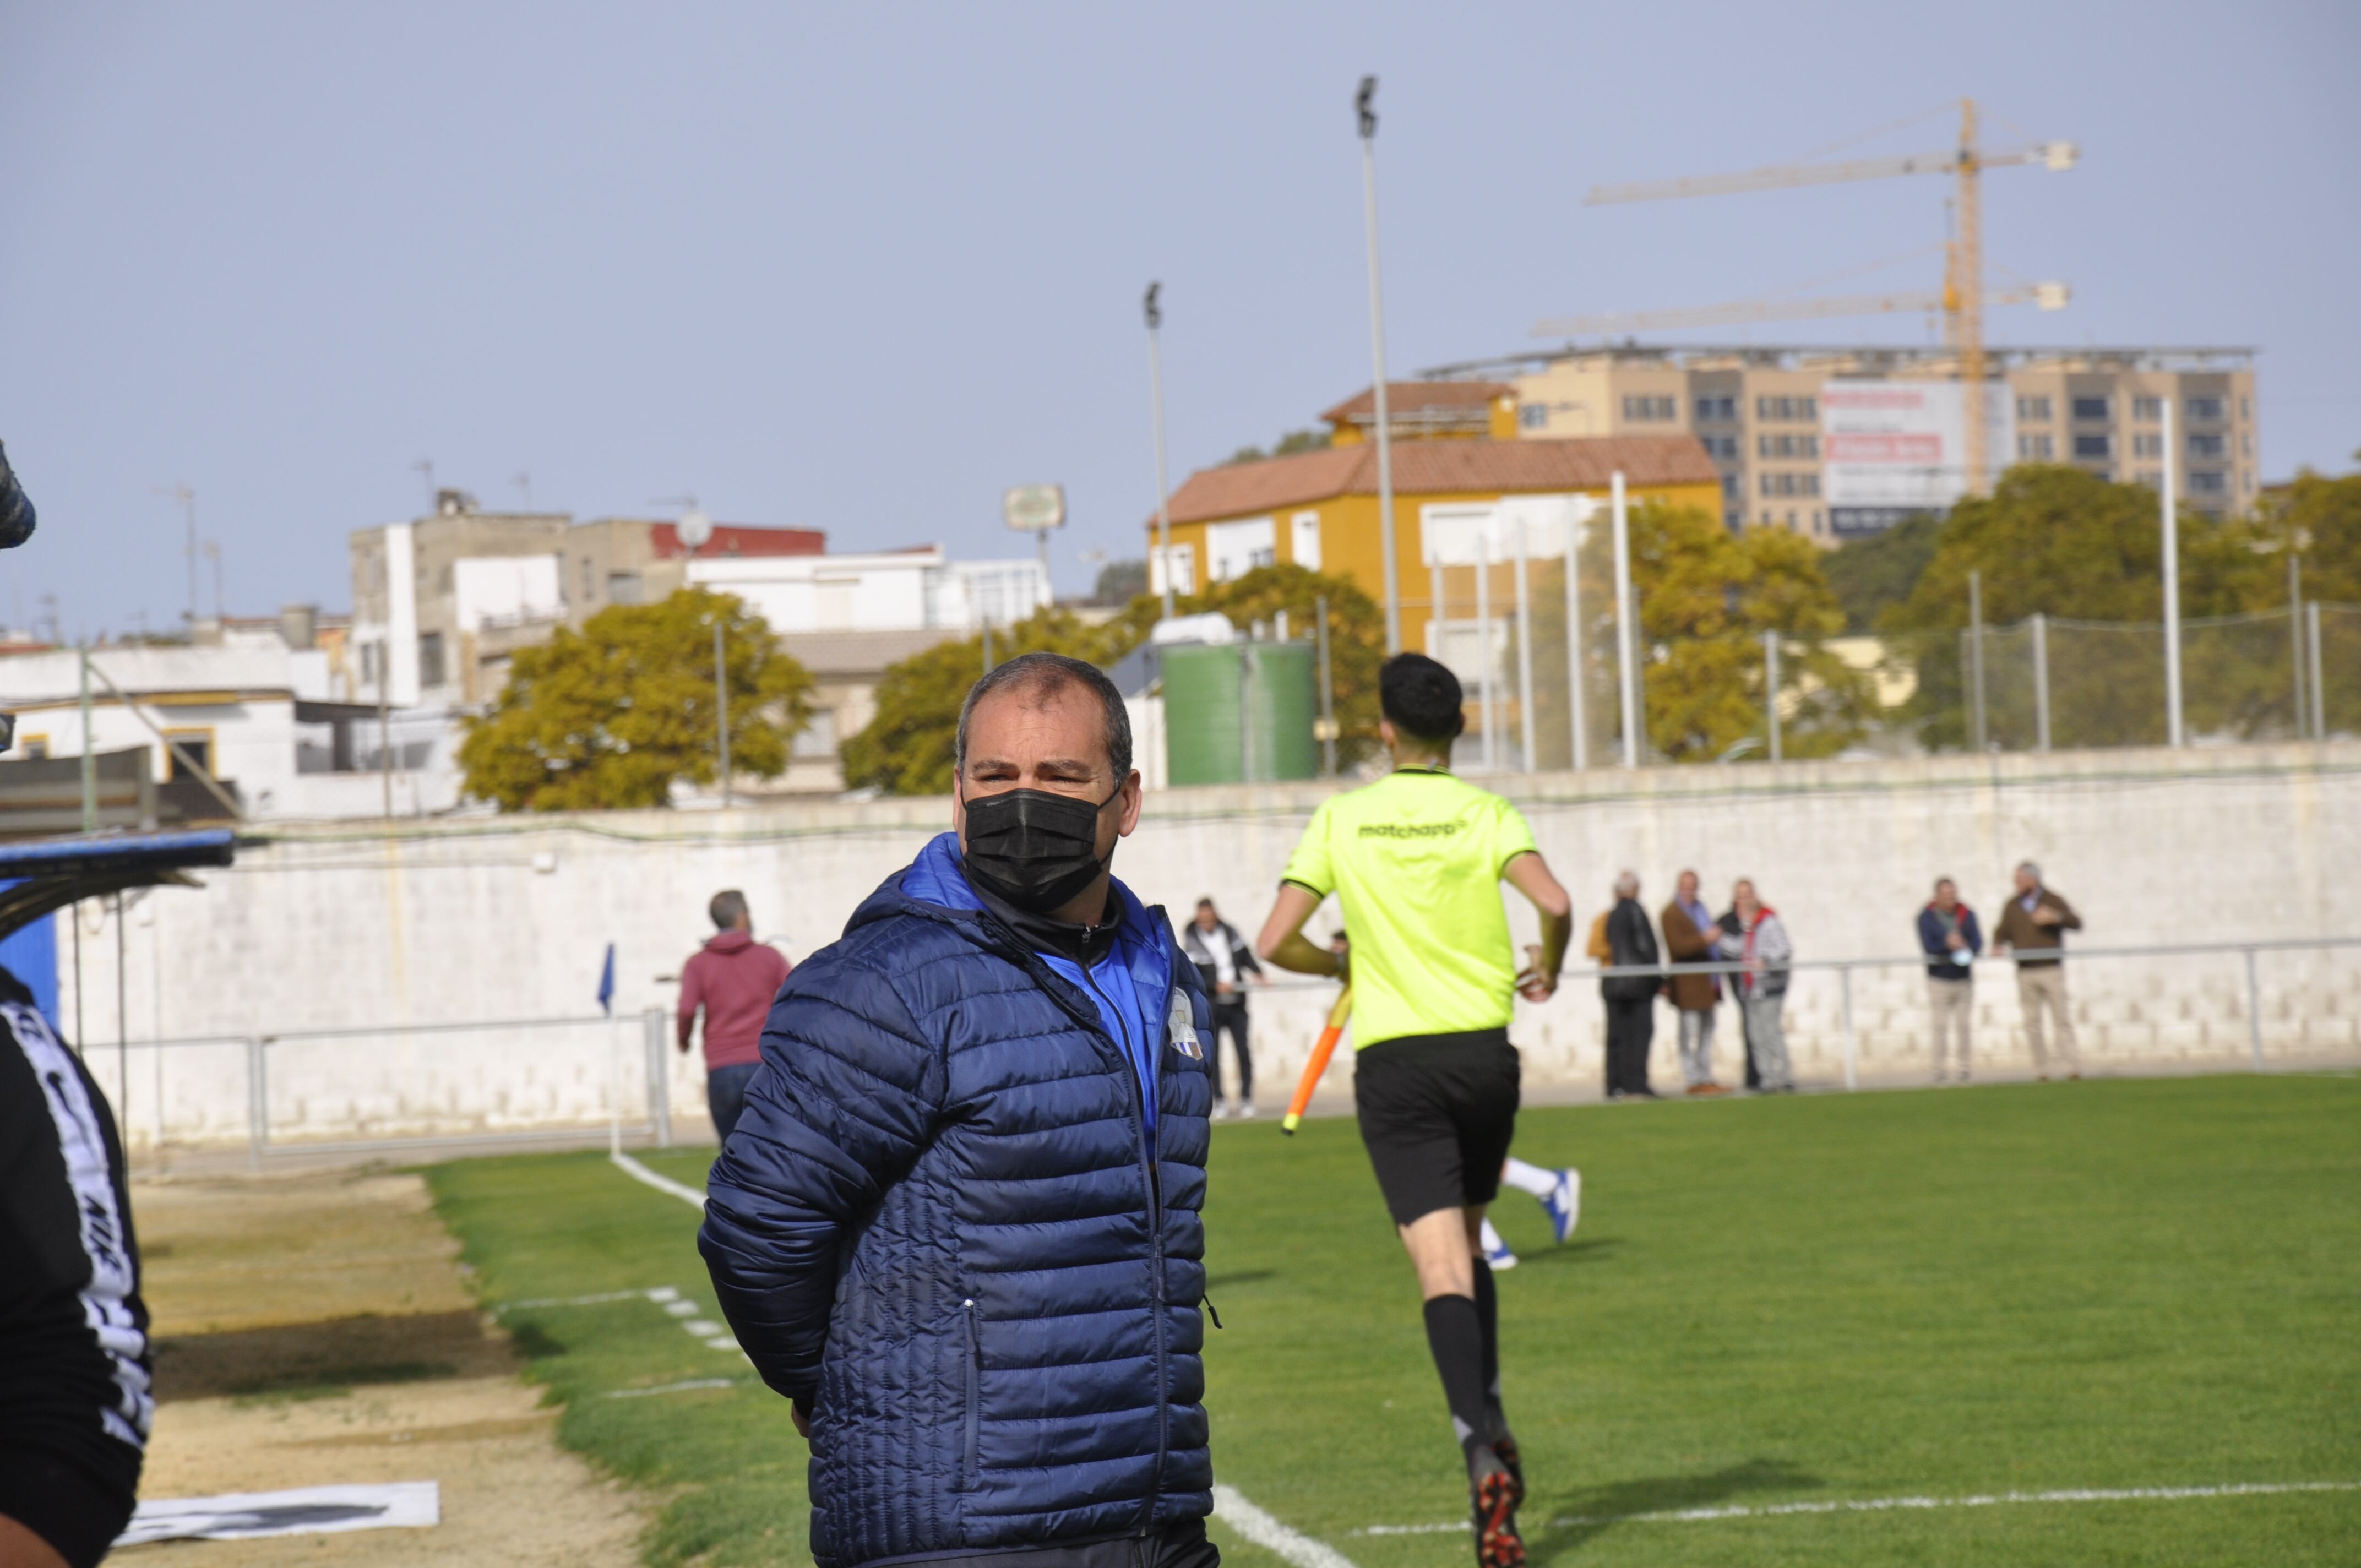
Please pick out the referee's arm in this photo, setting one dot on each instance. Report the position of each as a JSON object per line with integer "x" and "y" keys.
{"x": 1530, "y": 875}
{"x": 1282, "y": 942}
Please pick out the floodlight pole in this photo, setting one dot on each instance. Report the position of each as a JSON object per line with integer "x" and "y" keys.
{"x": 2173, "y": 732}
{"x": 1156, "y": 402}
{"x": 1575, "y": 716}
{"x": 1327, "y": 695}
{"x": 2295, "y": 634}
{"x": 1366, "y": 104}
{"x": 1976, "y": 657}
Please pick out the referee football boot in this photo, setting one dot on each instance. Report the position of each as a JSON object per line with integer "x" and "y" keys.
{"x": 1494, "y": 1493}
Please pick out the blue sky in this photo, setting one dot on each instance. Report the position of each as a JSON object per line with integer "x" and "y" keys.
{"x": 859, "y": 267}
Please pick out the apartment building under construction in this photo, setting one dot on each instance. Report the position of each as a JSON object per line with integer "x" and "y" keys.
{"x": 1836, "y": 442}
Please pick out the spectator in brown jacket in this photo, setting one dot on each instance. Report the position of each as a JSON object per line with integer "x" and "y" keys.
{"x": 2033, "y": 925}
{"x": 1696, "y": 997}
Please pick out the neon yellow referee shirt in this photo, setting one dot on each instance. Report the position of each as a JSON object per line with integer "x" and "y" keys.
{"x": 1416, "y": 861}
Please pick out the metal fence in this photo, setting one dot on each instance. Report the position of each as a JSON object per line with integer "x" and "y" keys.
{"x": 1539, "y": 699}
{"x": 2253, "y": 1005}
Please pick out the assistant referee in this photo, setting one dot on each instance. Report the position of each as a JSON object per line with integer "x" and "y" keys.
{"x": 1417, "y": 860}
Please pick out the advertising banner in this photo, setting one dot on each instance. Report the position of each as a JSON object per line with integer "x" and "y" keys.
{"x": 1893, "y": 448}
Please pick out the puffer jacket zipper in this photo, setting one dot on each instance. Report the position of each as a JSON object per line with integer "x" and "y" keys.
{"x": 1156, "y": 1262}
{"x": 969, "y": 1465}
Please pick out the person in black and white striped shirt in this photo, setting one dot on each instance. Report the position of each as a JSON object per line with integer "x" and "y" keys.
{"x": 74, "y": 1399}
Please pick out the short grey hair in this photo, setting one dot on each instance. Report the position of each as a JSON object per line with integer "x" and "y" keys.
{"x": 1626, "y": 883}
{"x": 1043, "y": 676}
{"x": 2029, "y": 869}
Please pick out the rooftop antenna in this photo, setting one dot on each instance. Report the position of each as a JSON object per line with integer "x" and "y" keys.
{"x": 180, "y": 492}
{"x": 424, "y": 468}
{"x": 524, "y": 482}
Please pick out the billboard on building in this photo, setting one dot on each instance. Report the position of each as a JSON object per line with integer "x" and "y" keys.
{"x": 1890, "y": 449}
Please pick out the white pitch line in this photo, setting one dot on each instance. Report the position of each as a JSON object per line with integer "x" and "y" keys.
{"x": 670, "y": 1387}
{"x": 640, "y": 1173}
{"x": 1885, "y": 1505}
{"x": 1231, "y": 1509}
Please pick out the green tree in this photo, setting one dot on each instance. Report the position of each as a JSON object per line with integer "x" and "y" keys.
{"x": 1120, "y": 582}
{"x": 2071, "y": 545}
{"x": 1706, "y": 599}
{"x": 1288, "y": 445}
{"x": 611, "y": 715}
{"x": 907, "y": 747}
{"x": 2323, "y": 516}
{"x": 1870, "y": 574}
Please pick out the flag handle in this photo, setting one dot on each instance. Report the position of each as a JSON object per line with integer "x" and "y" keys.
{"x": 1318, "y": 1064}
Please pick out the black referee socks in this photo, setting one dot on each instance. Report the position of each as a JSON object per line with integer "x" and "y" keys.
{"x": 1487, "y": 1317}
{"x": 1454, "y": 1333}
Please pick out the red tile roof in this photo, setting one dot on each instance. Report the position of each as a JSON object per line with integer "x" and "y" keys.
{"x": 739, "y": 539}
{"x": 1406, "y": 399}
{"x": 1441, "y": 467}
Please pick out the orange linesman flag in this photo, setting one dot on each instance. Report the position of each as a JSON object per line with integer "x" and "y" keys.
{"x": 1319, "y": 1062}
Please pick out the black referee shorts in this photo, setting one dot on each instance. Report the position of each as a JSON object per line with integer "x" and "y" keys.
{"x": 1437, "y": 1114}
{"x": 77, "y": 1509}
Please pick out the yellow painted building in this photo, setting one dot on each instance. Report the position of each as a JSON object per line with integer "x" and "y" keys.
{"x": 1319, "y": 508}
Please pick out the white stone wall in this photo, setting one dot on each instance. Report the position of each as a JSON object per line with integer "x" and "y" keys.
{"x": 329, "y": 927}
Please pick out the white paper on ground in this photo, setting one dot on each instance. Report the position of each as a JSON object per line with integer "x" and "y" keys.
{"x": 306, "y": 1510}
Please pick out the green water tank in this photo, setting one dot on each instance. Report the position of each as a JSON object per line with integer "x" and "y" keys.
{"x": 1240, "y": 712}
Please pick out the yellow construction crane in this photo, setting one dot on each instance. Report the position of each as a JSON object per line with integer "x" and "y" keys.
{"x": 1741, "y": 312}
{"x": 1964, "y": 298}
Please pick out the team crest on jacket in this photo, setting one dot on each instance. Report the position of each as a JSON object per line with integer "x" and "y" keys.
{"x": 1180, "y": 1027}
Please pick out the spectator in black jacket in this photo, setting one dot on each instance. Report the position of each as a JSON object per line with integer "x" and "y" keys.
{"x": 1950, "y": 937}
{"x": 1630, "y": 998}
{"x": 74, "y": 1403}
{"x": 1224, "y": 960}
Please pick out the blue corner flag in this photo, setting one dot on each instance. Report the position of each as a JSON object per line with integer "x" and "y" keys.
{"x": 606, "y": 983}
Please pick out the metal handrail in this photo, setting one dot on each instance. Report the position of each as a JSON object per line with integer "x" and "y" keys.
{"x": 1739, "y": 966}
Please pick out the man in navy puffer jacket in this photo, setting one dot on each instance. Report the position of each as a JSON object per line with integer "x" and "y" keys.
{"x": 958, "y": 1222}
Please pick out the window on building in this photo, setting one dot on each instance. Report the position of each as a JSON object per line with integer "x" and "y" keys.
{"x": 816, "y": 742}
{"x": 2250, "y": 481}
{"x": 1729, "y": 486}
{"x": 2036, "y": 448}
{"x": 589, "y": 582}
{"x": 2147, "y": 410}
{"x": 2208, "y": 482}
{"x": 623, "y": 587}
{"x": 2033, "y": 410}
{"x": 1533, "y": 416}
{"x": 1788, "y": 409}
{"x": 368, "y": 665}
{"x": 2148, "y": 445}
{"x": 2097, "y": 446}
{"x": 2209, "y": 446}
{"x": 2090, "y": 407}
{"x": 1717, "y": 410}
{"x": 1807, "y": 484}
{"x": 196, "y": 745}
{"x": 2150, "y": 477}
{"x": 2205, "y": 410}
{"x": 1637, "y": 409}
{"x": 430, "y": 659}
{"x": 2245, "y": 411}
{"x": 36, "y": 747}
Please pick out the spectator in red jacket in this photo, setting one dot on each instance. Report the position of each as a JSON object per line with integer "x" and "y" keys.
{"x": 734, "y": 978}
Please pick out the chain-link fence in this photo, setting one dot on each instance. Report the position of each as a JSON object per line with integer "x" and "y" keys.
{"x": 2042, "y": 683}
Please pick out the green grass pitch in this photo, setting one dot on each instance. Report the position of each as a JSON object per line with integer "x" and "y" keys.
{"x": 2023, "y": 1288}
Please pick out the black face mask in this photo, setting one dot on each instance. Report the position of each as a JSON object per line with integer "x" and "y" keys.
{"x": 1033, "y": 849}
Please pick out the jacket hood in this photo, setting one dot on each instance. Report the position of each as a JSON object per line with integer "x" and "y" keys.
{"x": 728, "y": 942}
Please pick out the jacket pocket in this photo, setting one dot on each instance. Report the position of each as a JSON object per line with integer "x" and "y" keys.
{"x": 973, "y": 1414}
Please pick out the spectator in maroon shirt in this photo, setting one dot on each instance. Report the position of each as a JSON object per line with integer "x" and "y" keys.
{"x": 734, "y": 978}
